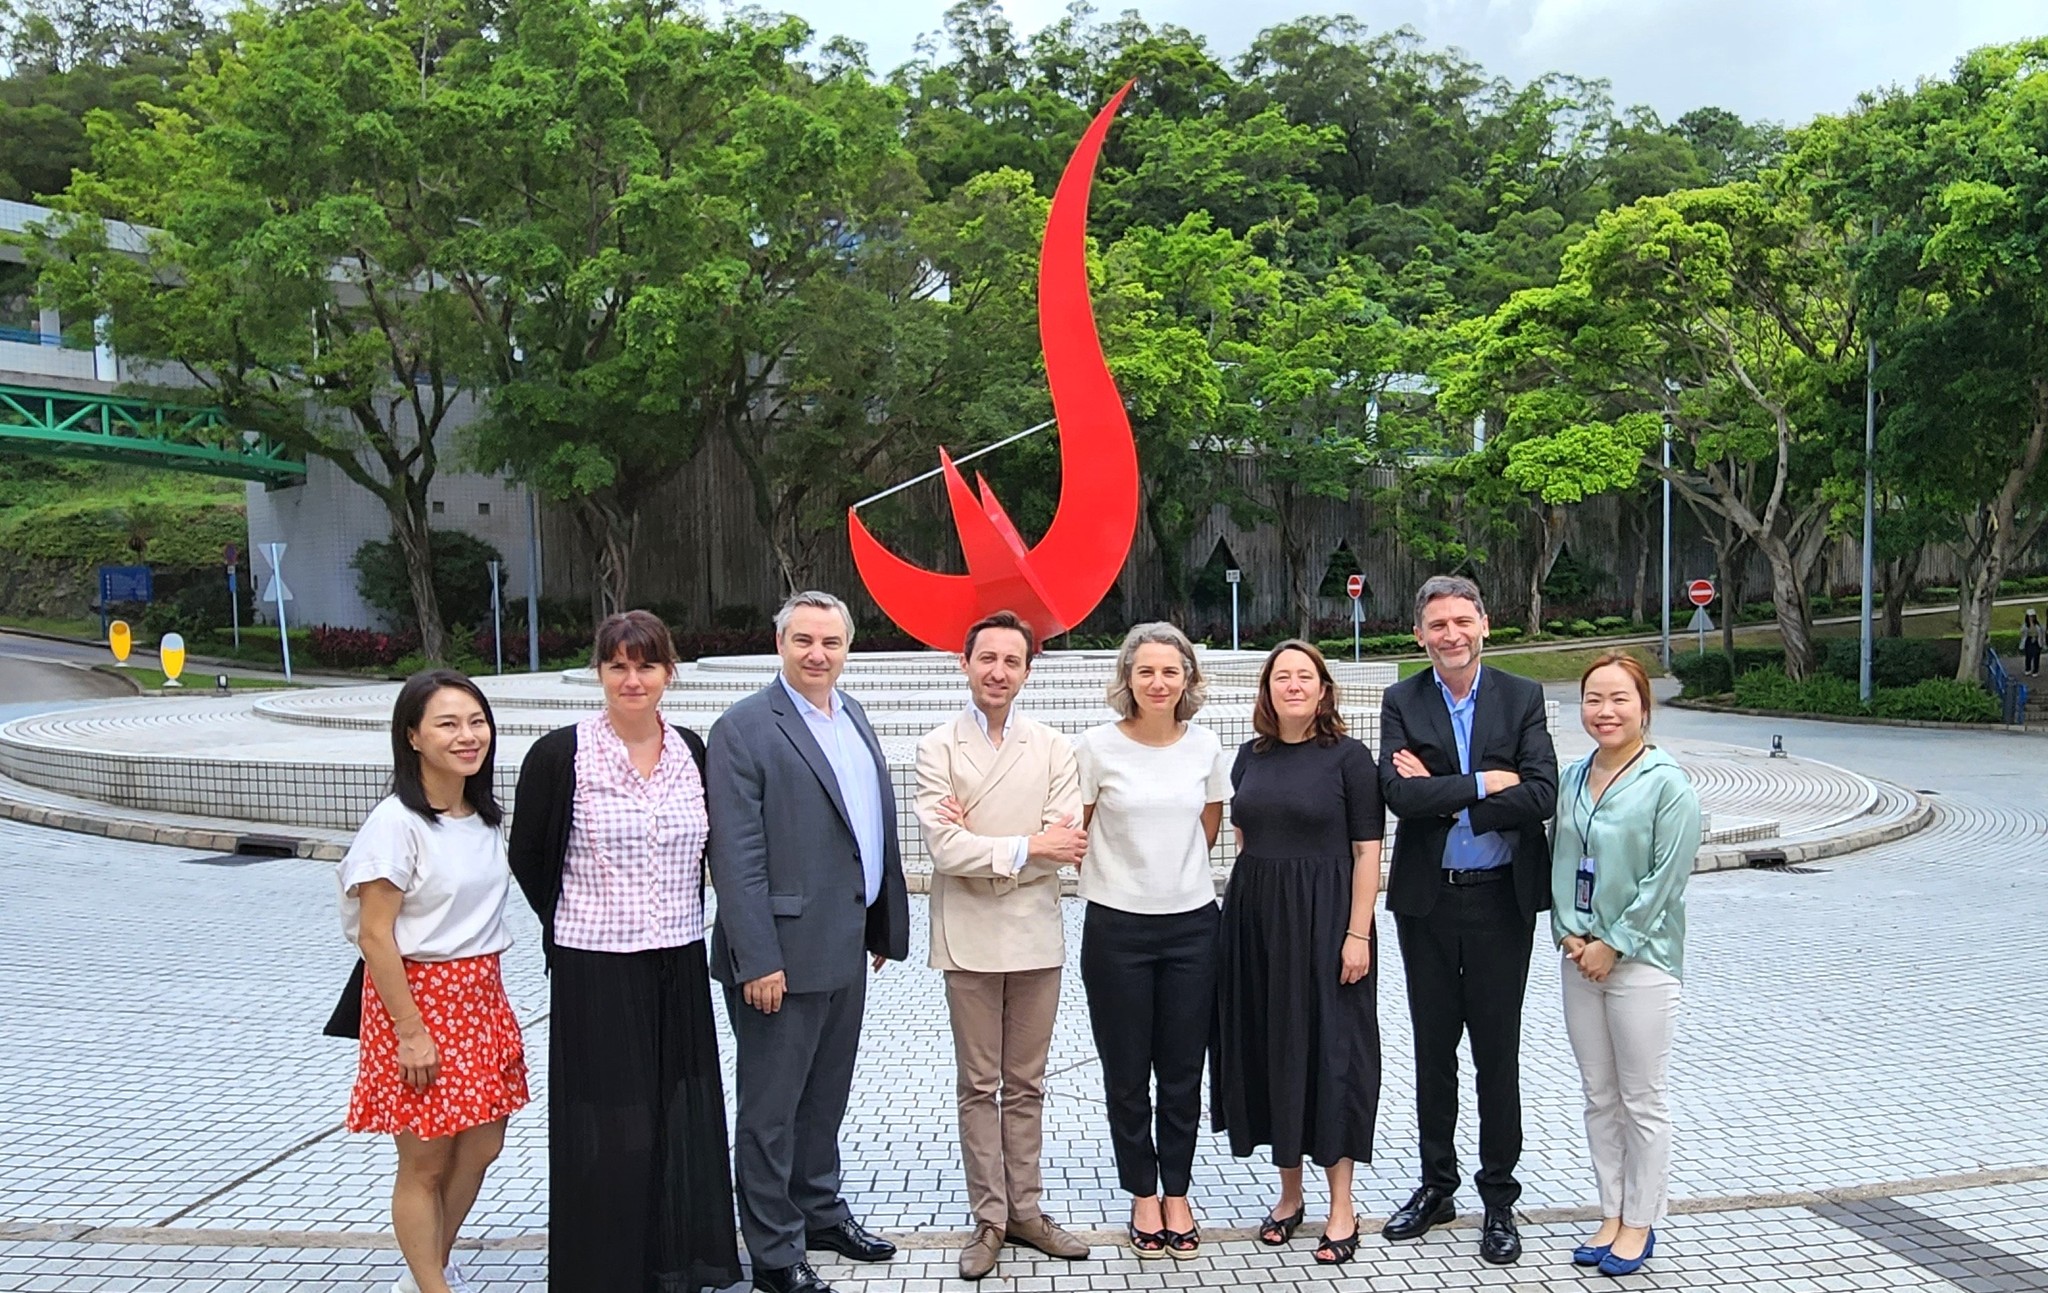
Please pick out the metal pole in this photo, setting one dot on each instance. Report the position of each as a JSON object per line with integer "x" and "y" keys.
{"x": 284, "y": 632}
{"x": 532, "y": 581}
{"x": 1869, "y": 498}
{"x": 966, "y": 457}
{"x": 1356, "y": 617}
{"x": 1233, "y": 617}
{"x": 235, "y": 607}
{"x": 497, "y": 619}
{"x": 1664, "y": 650}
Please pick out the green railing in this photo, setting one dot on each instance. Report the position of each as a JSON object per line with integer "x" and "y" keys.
{"x": 142, "y": 432}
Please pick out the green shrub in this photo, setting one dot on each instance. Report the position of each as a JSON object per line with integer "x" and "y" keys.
{"x": 1894, "y": 662}
{"x": 1611, "y": 623}
{"x": 1937, "y": 700}
{"x": 1503, "y": 635}
{"x": 462, "y": 578}
{"x": 1553, "y": 626}
{"x": 1714, "y": 674}
{"x": 1581, "y": 628}
{"x": 1822, "y": 694}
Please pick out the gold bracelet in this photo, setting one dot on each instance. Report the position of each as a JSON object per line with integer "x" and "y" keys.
{"x": 1352, "y": 933}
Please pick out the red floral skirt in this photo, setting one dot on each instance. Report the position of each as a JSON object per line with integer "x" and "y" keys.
{"x": 482, "y": 1076}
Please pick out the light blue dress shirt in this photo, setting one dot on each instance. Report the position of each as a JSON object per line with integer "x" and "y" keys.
{"x": 1464, "y": 851}
{"x": 859, "y": 784}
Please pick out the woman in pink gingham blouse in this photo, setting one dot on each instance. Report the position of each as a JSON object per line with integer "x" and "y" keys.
{"x": 608, "y": 835}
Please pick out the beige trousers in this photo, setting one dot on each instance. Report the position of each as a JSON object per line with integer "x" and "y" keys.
{"x": 1621, "y": 1030}
{"x": 1002, "y": 1032}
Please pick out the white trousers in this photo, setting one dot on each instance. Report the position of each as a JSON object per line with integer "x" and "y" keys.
{"x": 1621, "y": 1030}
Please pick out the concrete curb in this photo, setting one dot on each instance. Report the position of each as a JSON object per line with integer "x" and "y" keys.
{"x": 928, "y": 1240}
{"x": 1863, "y": 720}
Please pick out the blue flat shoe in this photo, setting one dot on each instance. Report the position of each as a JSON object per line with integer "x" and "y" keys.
{"x": 1589, "y": 1254}
{"x": 1612, "y": 1265}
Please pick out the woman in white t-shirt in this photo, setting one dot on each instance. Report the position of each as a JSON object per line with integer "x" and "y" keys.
{"x": 1153, "y": 785}
{"x": 423, "y": 891}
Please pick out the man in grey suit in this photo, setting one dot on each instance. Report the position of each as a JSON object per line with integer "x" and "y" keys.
{"x": 804, "y": 858}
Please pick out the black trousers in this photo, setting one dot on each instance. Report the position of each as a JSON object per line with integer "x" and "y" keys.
{"x": 1468, "y": 966}
{"x": 639, "y": 1187}
{"x": 1151, "y": 983}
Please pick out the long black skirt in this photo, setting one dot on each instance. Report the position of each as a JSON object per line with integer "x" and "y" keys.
{"x": 1297, "y": 1060}
{"x": 640, "y": 1185}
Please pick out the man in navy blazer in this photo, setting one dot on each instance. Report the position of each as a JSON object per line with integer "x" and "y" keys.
{"x": 1467, "y": 766}
{"x": 810, "y": 885}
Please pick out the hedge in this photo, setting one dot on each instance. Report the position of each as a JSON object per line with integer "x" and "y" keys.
{"x": 1931, "y": 700}
{"x": 1714, "y": 673}
{"x": 177, "y": 534}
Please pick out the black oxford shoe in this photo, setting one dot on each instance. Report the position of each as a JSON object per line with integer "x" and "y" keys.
{"x": 853, "y": 1241}
{"x": 1499, "y": 1241}
{"x": 1427, "y": 1207}
{"x": 799, "y": 1278}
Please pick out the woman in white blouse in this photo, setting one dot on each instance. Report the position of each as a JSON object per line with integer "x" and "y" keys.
{"x": 423, "y": 888}
{"x": 1153, "y": 786}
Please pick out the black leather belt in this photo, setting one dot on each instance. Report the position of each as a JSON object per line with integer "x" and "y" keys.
{"x": 1453, "y": 876}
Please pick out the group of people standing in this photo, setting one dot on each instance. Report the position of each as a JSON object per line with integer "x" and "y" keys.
{"x": 790, "y": 813}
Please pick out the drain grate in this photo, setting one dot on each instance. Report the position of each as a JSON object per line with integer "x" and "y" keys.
{"x": 229, "y": 859}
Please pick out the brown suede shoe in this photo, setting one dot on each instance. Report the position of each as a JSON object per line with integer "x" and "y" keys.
{"x": 1044, "y": 1234}
{"x": 979, "y": 1257}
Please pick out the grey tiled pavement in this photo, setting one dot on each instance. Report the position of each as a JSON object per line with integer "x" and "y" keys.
{"x": 162, "y": 1079}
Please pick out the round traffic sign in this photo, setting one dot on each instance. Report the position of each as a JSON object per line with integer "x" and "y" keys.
{"x": 1355, "y": 585}
{"x": 1700, "y": 591}
{"x": 229, "y": 554}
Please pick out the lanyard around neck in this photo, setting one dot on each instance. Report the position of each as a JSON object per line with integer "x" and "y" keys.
{"x": 1586, "y": 828}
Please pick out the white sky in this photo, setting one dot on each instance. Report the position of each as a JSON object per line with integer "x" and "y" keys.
{"x": 1779, "y": 59}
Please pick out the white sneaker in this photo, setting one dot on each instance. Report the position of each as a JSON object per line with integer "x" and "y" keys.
{"x": 453, "y": 1274}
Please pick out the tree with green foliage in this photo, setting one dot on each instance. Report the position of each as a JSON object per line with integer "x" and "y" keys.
{"x": 1955, "y": 174}
{"x": 301, "y": 189}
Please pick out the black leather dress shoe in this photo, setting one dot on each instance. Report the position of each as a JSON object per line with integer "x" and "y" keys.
{"x": 799, "y": 1278}
{"x": 853, "y": 1241}
{"x": 1427, "y": 1207}
{"x": 1499, "y": 1241}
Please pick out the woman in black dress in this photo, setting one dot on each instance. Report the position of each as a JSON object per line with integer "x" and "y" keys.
{"x": 1298, "y": 1049}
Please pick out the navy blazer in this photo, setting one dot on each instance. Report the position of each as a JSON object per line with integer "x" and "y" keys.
{"x": 1509, "y": 732}
{"x": 792, "y": 895}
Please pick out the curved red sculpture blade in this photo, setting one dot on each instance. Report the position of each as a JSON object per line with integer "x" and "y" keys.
{"x": 1055, "y": 584}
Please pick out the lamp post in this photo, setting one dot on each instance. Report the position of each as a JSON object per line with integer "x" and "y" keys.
{"x": 1863, "y": 655}
{"x": 1664, "y": 620}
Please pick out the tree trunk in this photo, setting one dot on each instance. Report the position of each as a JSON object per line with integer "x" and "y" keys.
{"x": 1794, "y": 613}
{"x": 1302, "y": 585}
{"x": 409, "y": 528}
{"x": 2006, "y": 534}
{"x": 1639, "y": 591}
{"x": 1899, "y": 580}
{"x": 1549, "y": 543}
{"x": 1728, "y": 575}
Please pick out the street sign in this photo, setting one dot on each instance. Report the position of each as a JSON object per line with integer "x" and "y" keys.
{"x": 228, "y": 555}
{"x": 1700, "y": 592}
{"x": 170, "y": 654}
{"x": 125, "y": 584}
{"x": 119, "y": 640}
{"x": 1702, "y": 623}
{"x": 278, "y": 593}
{"x": 1355, "y": 586}
{"x": 1232, "y": 576}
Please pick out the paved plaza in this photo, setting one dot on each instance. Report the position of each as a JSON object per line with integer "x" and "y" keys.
{"x": 1858, "y": 1087}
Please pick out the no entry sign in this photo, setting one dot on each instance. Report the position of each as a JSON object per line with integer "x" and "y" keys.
{"x": 1355, "y": 586}
{"x": 1700, "y": 591}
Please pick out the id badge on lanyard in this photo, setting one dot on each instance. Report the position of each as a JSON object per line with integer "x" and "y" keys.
{"x": 1582, "y": 892}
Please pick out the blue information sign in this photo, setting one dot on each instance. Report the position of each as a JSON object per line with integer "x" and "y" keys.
{"x": 125, "y": 584}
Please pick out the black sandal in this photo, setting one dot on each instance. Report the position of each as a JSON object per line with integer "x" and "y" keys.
{"x": 1336, "y": 1252}
{"x": 1184, "y": 1244}
{"x": 1147, "y": 1243}
{"x": 1279, "y": 1231}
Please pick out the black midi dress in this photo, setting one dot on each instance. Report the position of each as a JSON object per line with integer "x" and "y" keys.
{"x": 1297, "y": 1062}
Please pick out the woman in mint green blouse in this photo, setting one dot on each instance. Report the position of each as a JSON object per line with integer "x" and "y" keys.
{"x": 1628, "y": 825}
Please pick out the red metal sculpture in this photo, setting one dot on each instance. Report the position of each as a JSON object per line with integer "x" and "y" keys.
{"x": 1055, "y": 584}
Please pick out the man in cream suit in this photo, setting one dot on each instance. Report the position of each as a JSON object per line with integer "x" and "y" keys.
{"x": 999, "y": 797}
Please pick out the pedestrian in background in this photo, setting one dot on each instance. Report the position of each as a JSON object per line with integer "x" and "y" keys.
{"x": 1628, "y": 825}
{"x": 608, "y": 846}
{"x": 2031, "y": 641}
{"x": 441, "y": 1064}
{"x": 1154, "y": 785}
{"x": 1298, "y": 1047}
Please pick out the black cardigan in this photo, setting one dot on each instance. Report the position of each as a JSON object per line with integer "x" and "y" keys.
{"x": 543, "y": 807}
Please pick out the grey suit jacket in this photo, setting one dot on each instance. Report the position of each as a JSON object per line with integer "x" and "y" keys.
{"x": 791, "y": 892}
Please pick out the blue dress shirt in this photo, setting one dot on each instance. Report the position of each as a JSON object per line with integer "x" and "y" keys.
{"x": 859, "y": 784}
{"x": 1463, "y": 850}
